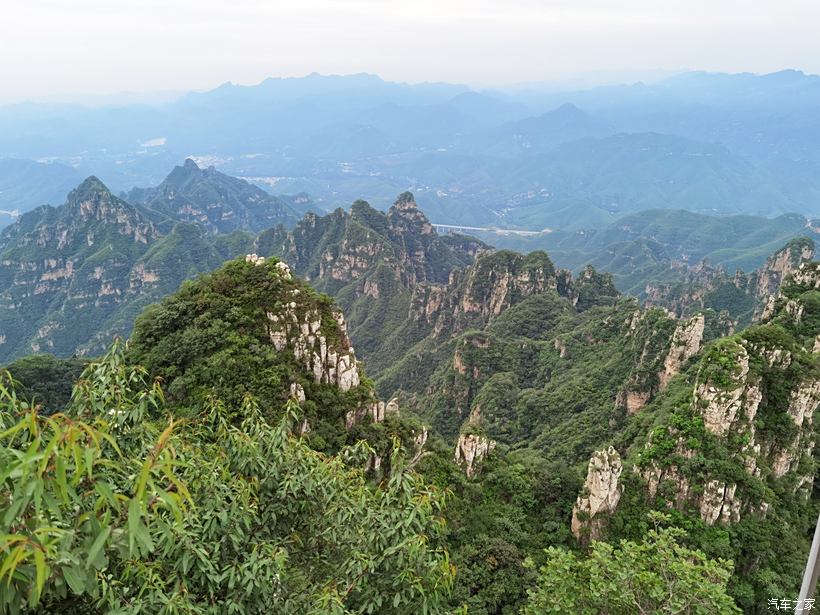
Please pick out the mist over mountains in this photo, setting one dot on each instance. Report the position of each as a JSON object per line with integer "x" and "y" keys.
{"x": 709, "y": 143}
{"x": 578, "y": 315}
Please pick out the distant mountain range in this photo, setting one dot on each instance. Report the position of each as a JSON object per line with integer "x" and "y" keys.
{"x": 73, "y": 276}
{"x": 710, "y": 143}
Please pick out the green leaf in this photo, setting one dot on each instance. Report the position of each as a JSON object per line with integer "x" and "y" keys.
{"x": 96, "y": 546}
{"x": 133, "y": 523}
{"x": 42, "y": 572}
{"x": 75, "y": 579}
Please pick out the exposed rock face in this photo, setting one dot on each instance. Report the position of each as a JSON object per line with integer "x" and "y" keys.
{"x": 633, "y": 401}
{"x": 600, "y": 497}
{"x": 342, "y": 247}
{"x": 471, "y": 449}
{"x": 780, "y": 265}
{"x": 655, "y": 475}
{"x": 693, "y": 290}
{"x": 376, "y": 411}
{"x": 330, "y": 361}
{"x": 297, "y": 392}
{"x": 84, "y": 264}
{"x": 725, "y": 408}
{"x": 802, "y": 405}
{"x": 736, "y": 381}
{"x": 719, "y": 504}
{"x": 652, "y": 377}
{"x": 747, "y": 294}
{"x": 495, "y": 282}
{"x": 686, "y": 342}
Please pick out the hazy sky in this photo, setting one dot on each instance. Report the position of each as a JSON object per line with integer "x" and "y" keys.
{"x": 61, "y": 48}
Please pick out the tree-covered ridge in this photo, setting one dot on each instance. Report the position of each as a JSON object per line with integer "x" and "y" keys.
{"x": 377, "y": 266}
{"x": 72, "y": 277}
{"x": 218, "y": 202}
{"x": 251, "y": 328}
{"x": 401, "y": 283}
{"x": 728, "y": 448}
{"x": 334, "y": 249}
{"x": 741, "y": 295}
{"x": 256, "y": 473}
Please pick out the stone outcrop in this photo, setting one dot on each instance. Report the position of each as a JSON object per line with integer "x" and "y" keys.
{"x": 719, "y": 504}
{"x": 216, "y": 202}
{"x": 376, "y": 411}
{"x": 702, "y": 286}
{"x": 300, "y": 329}
{"x": 471, "y": 449}
{"x": 786, "y": 456}
{"x": 654, "y": 475}
{"x": 633, "y": 401}
{"x": 780, "y": 265}
{"x": 348, "y": 246}
{"x": 655, "y": 369}
{"x": 733, "y": 406}
{"x": 600, "y": 496}
{"x": 731, "y": 386}
{"x": 686, "y": 342}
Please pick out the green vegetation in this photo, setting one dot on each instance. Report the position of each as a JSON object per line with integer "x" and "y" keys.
{"x": 45, "y": 381}
{"x": 232, "y": 472}
{"x": 656, "y": 575}
{"x": 112, "y": 507}
{"x": 218, "y": 202}
{"x": 76, "y": 276}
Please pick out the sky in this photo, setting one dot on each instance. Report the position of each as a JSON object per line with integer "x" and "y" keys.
{"x": 64, "y": 49}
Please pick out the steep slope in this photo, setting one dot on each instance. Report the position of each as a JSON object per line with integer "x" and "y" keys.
{"x": 73, "y": 276}
{"x": 547, "y": 375}
{"x": 728, "y": 447}
{"x": 374, "y": 264}
{"x": 252, "y": 329}
{"x": 264, "y": 456}
{"x": 743, "y": 296}
{"x": 288, "y": 328}
{"x": 218, "y": 202}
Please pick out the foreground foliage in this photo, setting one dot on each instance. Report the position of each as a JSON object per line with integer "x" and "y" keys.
{"x": 110, "y": 507}
{"x": 656, "y": 575}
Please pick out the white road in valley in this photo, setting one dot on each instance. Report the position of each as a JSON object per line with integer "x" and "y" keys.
{"x": 498, "y": 231}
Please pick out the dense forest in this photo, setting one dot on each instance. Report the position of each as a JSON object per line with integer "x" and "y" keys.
{"x": 353, "y": 413}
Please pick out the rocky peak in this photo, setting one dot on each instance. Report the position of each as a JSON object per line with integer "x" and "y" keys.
{"x": 471, "y": 449}
{"x": 663, "y": 355}
{"x": 724, "y": 393}
{"x": 218, "y": 202}
{"x": 91, "y": 189}
{"x": 91, "y": 214}
{"x": 298, "y": 327}
{"x": 779, "y": 267}
{"x": 503, "y": 278}
{"x": 600, "y": 496}
{"x": 405, "y": 216}
{"x": 747, "y": 388}
{"x": 686, "y": 342}
{"x": 181, "y": 176}
{"x": 92, "y": 200}
{"x": 781, "y": 264}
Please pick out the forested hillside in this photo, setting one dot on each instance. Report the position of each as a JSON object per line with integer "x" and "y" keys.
{"x": 270, "y": 475}
{"x": 458, "y": 432}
